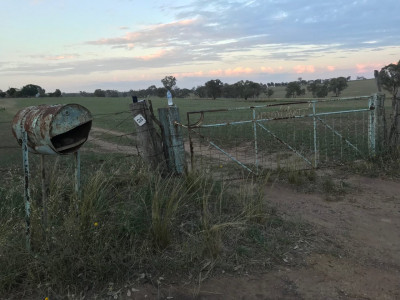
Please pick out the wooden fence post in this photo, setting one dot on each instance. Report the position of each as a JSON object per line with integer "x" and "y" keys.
{"x": 172, "y": 139}
{"x": 148, "y": 140}
{"x": 380, "y": 117}
{"x": 377, "y": 124}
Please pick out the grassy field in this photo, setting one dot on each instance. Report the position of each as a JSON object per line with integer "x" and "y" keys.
{"x": 131, "y": 221}
{"x": 113, "y": 113}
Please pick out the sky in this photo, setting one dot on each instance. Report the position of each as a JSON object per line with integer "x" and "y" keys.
{"x": 83, "y": 45}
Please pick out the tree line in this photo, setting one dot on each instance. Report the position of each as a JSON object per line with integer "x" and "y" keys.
{"x": 243, "y": 89}
{"x": 215, "y": 88}
{"x": 27, "y": 91}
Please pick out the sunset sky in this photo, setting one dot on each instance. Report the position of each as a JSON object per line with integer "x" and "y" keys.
{"x": 82, "y": 45}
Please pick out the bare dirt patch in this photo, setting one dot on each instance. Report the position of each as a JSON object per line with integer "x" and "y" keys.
{"x": 103, "y": 146}
{"x": 361, "y": 262}
{"x": 363, "y": 227}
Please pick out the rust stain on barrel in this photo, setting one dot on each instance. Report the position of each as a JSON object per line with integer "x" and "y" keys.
{"x": 61, "y": 121}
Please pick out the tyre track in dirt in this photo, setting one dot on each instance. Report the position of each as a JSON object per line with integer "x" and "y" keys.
{"x": 103, "y": 146}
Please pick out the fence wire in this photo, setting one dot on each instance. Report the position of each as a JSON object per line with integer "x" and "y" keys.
{"x": 300, "y": 135}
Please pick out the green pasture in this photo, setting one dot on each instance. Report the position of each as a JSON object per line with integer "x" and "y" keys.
{"x": 113, "y": 113}
{"x": 130, "y": 221}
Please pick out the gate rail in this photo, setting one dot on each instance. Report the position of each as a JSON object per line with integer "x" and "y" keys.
{"x": 266, "y": 119}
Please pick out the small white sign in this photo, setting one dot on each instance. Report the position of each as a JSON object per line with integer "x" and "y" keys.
{"x": 140, "y": 120}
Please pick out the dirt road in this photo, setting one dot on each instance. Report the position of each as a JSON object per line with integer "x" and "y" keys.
{"x": 363, "y": 263}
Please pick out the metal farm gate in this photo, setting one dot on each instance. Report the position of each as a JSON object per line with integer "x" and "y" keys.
{"x": 293, "y": 135}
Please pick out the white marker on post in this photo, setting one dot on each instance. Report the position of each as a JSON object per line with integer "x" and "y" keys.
{"x": 140, "y": 120}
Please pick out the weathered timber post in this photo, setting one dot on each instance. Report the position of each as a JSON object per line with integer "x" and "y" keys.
{"x": 378, "y": 81}
{"x": 377, "y": 124}
{"x": 172, "y": 139}
{"x": 149, "y": 142}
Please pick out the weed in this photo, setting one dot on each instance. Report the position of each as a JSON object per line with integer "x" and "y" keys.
{"x": 129, "y": 221}
{"x": 382, "y": 165}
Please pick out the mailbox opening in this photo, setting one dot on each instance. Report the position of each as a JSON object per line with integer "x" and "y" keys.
{"x": 70, "y": 141}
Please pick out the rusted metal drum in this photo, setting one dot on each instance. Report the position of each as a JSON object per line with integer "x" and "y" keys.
{"x": 53, "y": 129}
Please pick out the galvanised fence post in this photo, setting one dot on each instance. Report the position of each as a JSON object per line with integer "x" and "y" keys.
{"x": 315, "y": 135}
{"x": 255, "y": 139}
{"x": 173, "y": 139}
{"x": 372, "y": 126}
{"x": 27, "y": 194}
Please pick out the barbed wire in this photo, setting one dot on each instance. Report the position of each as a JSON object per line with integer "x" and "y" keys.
{"x": 109, "y": 114}
{"x": 111, "y": 137}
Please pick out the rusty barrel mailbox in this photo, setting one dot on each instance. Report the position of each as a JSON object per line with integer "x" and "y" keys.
{"x": 53, "y": 129}
{"x": 50, "y": 129}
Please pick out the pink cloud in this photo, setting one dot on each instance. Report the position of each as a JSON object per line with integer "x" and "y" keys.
{"x": 216, "y": 72}
{"x": 156, "y": 55}
{"x": 156, "y": 35}
{"x": 237, "y": 71}
{"x": 304, "y": 69}
{"x": 267, "y": 70}
{"x": 189, "y": 74}
{"x": 364, "y": 68}
{"x": 60, "y": 57}
{"x": 330, "y": 68}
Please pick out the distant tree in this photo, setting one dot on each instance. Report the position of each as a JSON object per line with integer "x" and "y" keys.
{"x": 200, "y": 91}
{"x": 319, "y": 90}
{"x": 112, "y": 93}
{"x": 99, "y": 93}
{"x": 11, "y": 92}
{"x": 229, "y": 91}
{"x": 293, "y": 89}
{"x": 31, "y": 90}
{"x": 389, "y": 77}
{"x": 251, "y": 89}
{"x": 181, "y": 93}
{"x": 152, "y": 90}
{"x": 270, "y": 92}
{"x": 168, "y": 82}
{"x": 2, "y": 94}
{"x": 214, "y": 88}
{"x": 337, "y": 85}
{"x": 239, "y": 88}
{"x": 161, "y": 92}
{"x": 57, "y": 93}
{"x": 85, "y": 94}
{"x": 348, "y": 78}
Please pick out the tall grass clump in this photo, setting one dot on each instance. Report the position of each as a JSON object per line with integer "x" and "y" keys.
{"x": 128, "y": 221}
{"x": 385, "y": 164}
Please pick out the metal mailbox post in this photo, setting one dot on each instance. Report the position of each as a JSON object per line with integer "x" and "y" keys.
{"x": 59, "y": 129}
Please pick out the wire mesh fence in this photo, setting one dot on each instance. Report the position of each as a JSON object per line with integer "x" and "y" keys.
{"x": 240, "y": 141}
{"x": 298, "y": 135}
